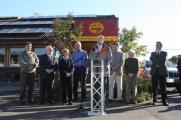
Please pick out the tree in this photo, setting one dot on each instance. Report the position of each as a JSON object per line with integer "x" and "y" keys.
{"x": 129, "y": 40}
{"x": 65, "y": 32}
{"x": 174, "y": 59}
{"x": 63, "y": 35}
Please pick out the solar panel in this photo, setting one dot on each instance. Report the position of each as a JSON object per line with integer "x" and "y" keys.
{"x": 26, "y": 22}
{"x": 5, "y": 30}
{"x": 26, "y": 30}
{"x": 40, "y": 17}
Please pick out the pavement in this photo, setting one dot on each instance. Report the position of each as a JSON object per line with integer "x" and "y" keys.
{"x": 9, "y": 88}
{"x": 10, "y": 109}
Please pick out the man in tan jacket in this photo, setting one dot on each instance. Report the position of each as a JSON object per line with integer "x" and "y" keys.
{"x": 28, "y": 64}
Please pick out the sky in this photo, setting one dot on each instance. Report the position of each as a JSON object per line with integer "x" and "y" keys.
{"x": 158, "y": 20}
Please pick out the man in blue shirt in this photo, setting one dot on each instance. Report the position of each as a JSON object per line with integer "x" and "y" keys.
{"x": 79, "y": 58}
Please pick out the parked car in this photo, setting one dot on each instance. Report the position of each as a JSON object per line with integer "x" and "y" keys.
{"x": 173, "y": 76}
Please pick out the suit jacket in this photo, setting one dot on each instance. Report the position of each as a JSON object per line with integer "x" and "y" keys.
{"x": 65, "y": 66}
{"x": 105, "y": 53}
{"x": 117, "y": 62}
{"x": 158, "y": 63}
{"x": 179, "y": 65}
{"x": 46, "y": 63}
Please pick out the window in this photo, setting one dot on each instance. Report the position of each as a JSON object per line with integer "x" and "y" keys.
{"x": 2, "y": 54}
{"x": 14, "y": 56}
{"x": 40, "y": 51}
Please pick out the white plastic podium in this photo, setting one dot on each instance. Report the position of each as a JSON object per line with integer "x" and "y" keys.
{"x": 97, "y": 87}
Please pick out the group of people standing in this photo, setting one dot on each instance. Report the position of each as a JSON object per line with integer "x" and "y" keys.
{"x": 73, "y": 68}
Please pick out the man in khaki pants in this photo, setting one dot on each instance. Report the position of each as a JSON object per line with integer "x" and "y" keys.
{"x": 131, "y": 69}
{"x": 116, "y": 64}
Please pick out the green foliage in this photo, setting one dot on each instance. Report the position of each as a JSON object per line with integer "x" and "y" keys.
{"x": 57, "y": 93}
{"x": 144, "y": 89}
{"x": 128, "y": 40}
{"x": 174, "y": 59}
{"x": 65, "y": 32}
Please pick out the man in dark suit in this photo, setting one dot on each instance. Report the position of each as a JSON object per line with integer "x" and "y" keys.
{"x": 101, "y": 51}
{"x": 159, "y": 73}
{"x": 179, "y": 70}
{"x": 47, "y": 67}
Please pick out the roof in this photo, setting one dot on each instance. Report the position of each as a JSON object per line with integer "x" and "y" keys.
{"x": 38, "y": 26}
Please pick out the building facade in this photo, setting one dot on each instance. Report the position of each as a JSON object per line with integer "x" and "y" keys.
{"x": 16, "y": 31}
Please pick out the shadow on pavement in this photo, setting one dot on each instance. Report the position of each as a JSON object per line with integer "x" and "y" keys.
{"x": 10, "y": 109}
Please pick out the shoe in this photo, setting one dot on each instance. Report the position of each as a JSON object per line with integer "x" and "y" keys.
{"x": 154, "y": 102}
{"x": 165, "y": 104}
{"x": 22, "y": 102}
{"x": 70, "y": 103}
{"x": 41, "y": 103}
{"x": 134, "y": 102}
{"x": 63, "y": 103}
{"x": 31, "y": 101}
{"x": 51, "y": 102}
{"x": 110, "y": 100}
{"x": 75, "y": 99}
{"x": 119, "y": 100}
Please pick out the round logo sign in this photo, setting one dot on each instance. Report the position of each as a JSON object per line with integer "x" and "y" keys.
{"x": 96, "y": 27}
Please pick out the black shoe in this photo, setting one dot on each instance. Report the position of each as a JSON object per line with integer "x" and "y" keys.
{"x": 31, "y": 101}
{"x": 75, "y": 99}
{"x": 41, "y": 103}
{"x": 165, "y": 104}
{"x": 22, "y": 102}
{"x": 51, "y": 102}
{"x": 110, "y": 101}
{"x": 70, "y": 102}
{"x": 154, "y": 102}
{"x": 134, "y": 102}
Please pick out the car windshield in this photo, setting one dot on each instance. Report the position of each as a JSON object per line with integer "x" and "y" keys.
{"x": 148, "y": 64}
{"x": 168, "y": 64}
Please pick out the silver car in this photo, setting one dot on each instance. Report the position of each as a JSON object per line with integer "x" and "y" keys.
{"x": 173, "y": 76}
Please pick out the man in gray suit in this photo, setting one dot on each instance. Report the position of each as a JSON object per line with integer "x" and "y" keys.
{"x": 116, "y": 72}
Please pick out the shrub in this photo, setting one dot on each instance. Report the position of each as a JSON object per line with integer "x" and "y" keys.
{"x": 57, "y": 93}
{"x": 144, "y": 88}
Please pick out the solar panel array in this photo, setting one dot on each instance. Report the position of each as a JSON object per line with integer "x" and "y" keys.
{"x": 26, "y": 23}
{"x": 27, "y": 30}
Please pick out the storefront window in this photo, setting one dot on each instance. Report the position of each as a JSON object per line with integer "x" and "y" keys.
{"x": 14, "y": 56}
{"x": 39, "y": 51}
{"x": 2, "y": 54}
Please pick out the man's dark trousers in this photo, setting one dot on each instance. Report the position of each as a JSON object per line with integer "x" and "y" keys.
{"x": 79, "y": 76}
{"x": 46, "y": 87}
{"x": 162, "y": 83}
{"x": 27, "y": 79}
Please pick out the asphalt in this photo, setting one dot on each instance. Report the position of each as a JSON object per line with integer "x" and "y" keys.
{"x": 10, "y": 109}
{"x": 9, "y": 88}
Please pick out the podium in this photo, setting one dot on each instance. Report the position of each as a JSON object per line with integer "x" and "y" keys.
{"x": 97, "y": 87}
